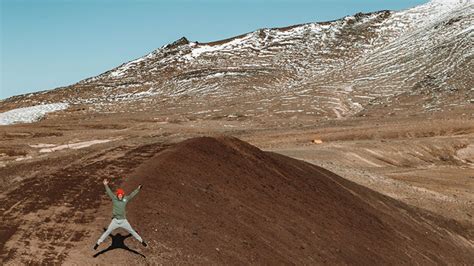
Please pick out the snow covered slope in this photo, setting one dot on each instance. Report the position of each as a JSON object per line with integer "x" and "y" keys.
{"x": 30, "y": 114}
{"x": 329, "y": 69}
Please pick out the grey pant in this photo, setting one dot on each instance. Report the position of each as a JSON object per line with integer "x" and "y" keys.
{"x": 116, "y": 223}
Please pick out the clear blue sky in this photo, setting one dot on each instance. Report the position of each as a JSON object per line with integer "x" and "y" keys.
{"x": 51, "y": 43}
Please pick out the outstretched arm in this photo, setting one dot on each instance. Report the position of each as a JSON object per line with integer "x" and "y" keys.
{"x": 107, "y": 189}
{"x": 135, "y": 192}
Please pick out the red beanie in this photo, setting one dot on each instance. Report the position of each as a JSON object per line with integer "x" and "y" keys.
{"x": 119, "y": 191}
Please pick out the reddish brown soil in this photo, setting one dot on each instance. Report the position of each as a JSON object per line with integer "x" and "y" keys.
{"x": 212, "y": 200}
{"x": 224, "y": 201}
{"x": 45, "y": 216}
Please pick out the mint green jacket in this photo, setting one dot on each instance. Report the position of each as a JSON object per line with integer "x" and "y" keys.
{"x": 118, "y": 206}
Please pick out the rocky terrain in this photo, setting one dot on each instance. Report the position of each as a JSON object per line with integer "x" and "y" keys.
{"x": 383, "y": 100}
{"x": 316, "y": 70}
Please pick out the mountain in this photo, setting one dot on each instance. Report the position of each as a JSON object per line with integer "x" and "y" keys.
{"x": 422, "y": 55}
{"x": 320, "y": 69}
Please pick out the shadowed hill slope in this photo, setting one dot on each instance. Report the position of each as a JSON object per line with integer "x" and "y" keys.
{"x": 221, "y": 200}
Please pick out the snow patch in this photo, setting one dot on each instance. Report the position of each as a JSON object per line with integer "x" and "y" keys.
{"x": 30, "y": 114}
{"x": 205, "y": 48}
{"x": 120, "y": 71}
{"x": 451, "y": 2}
{"x": 74, "y": 146}
{"x": 23, "y": 158}
{"x": 42, "y": 145}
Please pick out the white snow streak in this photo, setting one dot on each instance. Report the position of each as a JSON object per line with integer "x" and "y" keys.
{"x": 74, "y": 146}
{"x": 30, "y": 114}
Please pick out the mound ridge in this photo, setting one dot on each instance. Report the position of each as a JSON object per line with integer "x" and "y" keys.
{"x": 222, "y": 200}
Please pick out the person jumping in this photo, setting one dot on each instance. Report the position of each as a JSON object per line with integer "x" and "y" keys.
{"x": 119, "y": 201}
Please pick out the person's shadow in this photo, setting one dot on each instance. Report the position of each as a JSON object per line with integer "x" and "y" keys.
{"x": 118, "y": 242}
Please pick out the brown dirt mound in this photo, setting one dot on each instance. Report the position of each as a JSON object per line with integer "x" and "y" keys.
{"x": 221, "y": 200}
